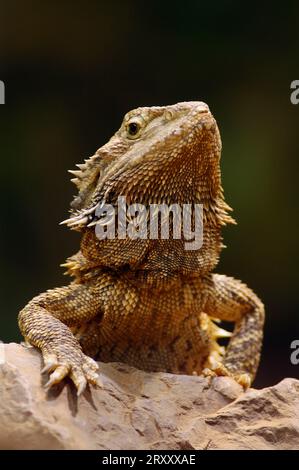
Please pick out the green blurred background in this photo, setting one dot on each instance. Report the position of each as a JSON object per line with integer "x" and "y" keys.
{"x": 72, "y": 69}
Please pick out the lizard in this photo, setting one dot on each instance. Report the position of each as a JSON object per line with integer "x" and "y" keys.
{"x": 149, "y": 302}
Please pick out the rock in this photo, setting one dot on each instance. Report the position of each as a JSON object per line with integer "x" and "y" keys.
{"x": 139, "y": 410}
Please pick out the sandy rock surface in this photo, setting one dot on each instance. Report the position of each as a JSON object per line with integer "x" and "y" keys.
{"x": 139, "y": 410}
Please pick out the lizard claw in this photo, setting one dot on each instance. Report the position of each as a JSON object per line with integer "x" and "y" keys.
{"x": 56, "y": 376}
{"x": 80, "y": 368}
{"x": 50, "y": 362}
{"x": 243, "y": 379}
{"x": 79, "y": 380}
{"x": 217, "y": 369}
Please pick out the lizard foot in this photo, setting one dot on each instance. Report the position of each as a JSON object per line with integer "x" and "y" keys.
{"x": 217, "y": 369}
{"x": 73, "y": 363}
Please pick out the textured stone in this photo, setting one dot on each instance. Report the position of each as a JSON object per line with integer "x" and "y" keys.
{"x": 139, "y": 410}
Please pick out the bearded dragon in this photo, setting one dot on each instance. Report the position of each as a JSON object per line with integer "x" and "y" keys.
{"x": 149, "y": 302}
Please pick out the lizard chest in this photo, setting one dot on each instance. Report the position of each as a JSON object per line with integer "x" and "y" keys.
{"x": 154, "y": 331}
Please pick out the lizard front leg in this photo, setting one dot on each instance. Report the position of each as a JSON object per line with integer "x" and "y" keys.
{"x": 231, "y": 300}
{"x": 45, "y": 323}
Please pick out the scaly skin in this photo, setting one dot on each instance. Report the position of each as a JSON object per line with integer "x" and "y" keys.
{"x": 149, "y": 303}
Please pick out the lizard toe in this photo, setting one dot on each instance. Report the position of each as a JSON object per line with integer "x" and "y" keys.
{"x": 50, "y": 362}
{"x": 91, "y": 375}
{"x": 58, "y": 375}
{"x": 243, "y": 379}
{"x": 79, "y": 379}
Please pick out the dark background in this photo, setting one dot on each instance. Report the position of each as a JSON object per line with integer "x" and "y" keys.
{"x": 72, "y": 69}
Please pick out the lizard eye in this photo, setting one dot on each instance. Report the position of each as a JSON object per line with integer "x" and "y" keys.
{"x": 134, "y": 127}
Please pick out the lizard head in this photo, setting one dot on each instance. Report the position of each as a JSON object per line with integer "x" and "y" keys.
{"x": 165, "y": 154}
